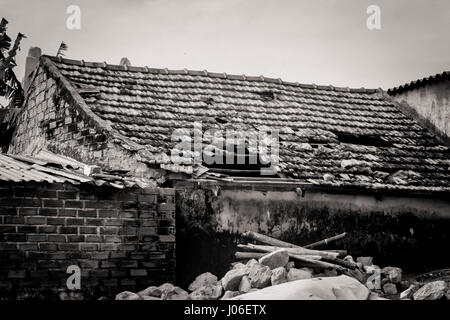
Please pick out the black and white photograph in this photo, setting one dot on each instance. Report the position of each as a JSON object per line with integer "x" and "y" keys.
{"x": 235, "y": 151}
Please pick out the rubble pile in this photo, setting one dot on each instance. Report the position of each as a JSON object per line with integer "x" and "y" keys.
{"x": 279, "y": 270}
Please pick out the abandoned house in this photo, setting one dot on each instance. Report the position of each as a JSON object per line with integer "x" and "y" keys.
{"x": 349, "y": 160}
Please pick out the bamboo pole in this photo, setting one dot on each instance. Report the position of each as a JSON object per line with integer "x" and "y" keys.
{"x": 295, "y": 251}
{"x": 325, "y": 241}
{"x": 268, "y": 240}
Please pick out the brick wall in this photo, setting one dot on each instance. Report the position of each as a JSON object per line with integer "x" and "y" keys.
{"x": 51, "y": 120}
{"x": 121, "y": 239}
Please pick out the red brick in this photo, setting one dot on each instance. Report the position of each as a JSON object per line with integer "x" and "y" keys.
{"x": 53, "y": 203}
{"x": 110, "y": 213}
{"x": 74, "y": 221}
{"x": 48, "y": 246}
{"x": 68, "y": 230}
{"x": 56, "y": 238}
{"x": 28, "y": 246}
{"x": 36, "y": 237}
{"x": 67, "y": 212}
{"x": 36, "y": 220}
{"x": 73, "y": 204}
{"x": 109, "y": 230}
{"x": 48, "y": 211}
{"x": 87, "y": 213}
{"x": 14, "y": 220}
{"x": 28, "y": 211}
{"x": 75, "y": 238}
{"x": 67, "y": 195}
{"x": 89, "y": 246}
{"x": 56, "y": 221}
{"x": 68, "y": 246}
{"x": 88, "y": 230}
{"x": 47, "y": 229}
{"x": 138, "y": 272}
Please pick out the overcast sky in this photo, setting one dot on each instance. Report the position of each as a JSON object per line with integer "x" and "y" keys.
{"x": 314, "y": 41}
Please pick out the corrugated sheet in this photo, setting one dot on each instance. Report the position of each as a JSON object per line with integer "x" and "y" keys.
{"x": 52, "y": 168}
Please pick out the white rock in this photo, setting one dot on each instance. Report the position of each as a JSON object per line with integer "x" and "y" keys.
{"x": 207, "y": 292}
{"x": 276, "y": 259}
{"x": 298, "y": 274}
{"x": 431, "y": 291}
{"x": 279, "y": 276}
{"x": 394, "y": 274}
{"x": 260, "y": 277}
{"x": 232, "y": 279}
{"x": 150, "y": 292}
{"x": 127, "y": 295}
{"x": 203, "y": 279}
{"x": 245, "y": 285}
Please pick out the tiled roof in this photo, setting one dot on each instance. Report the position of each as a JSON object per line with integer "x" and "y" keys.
{"x": 329, "y": 135}
{"x": 420, "y": 83}
{"x": 48, "y": 167}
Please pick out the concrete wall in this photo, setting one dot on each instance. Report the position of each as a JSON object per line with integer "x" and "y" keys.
{"x": 121, "y": 239}
{"x": 408, "y": 231}
{"x": 431, "y": 102}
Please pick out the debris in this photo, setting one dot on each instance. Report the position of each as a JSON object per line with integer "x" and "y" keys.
{"x": 174, "y": 293}
{"x": 150, "y": 292}
{"x": 275, "y": 259}
{"x": 279, "y": 275}
{"x": 390, "y": 289}
{"x": 245, "y": 285}
{"x": 333, "y": 288}
{"x": 127, "y": 295}
{"x": 289, "y": 265}
{"x": 232, "y": 279}
{"x": 408, "y": 293}
{"x": 203, "y": 279}
{"x": 210, "y": 291}
{"x": 230, "y": 294}
{"x": 260, "y": 276}
{"x": 394, "y": 274}
{"x": 431, "y": 291}
{"x": 298, "y": 274}
{"x": 366, "y": 261}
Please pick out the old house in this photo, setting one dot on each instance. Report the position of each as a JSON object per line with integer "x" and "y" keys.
{"x": 348, "y": 160}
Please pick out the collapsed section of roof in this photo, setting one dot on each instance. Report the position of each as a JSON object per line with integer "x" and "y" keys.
{"x": 327, "y": 135}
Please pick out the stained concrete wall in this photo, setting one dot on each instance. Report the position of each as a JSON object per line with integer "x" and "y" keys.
{"x": 431, "y": 102}
{"x": 409, "y": 231}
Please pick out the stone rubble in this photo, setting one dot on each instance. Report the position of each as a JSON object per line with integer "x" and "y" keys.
{"x": 276, "y": 268}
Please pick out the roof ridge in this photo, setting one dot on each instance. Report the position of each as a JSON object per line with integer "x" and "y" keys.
{"x": 420, "y": 82}
{"x": 222, "y": 75}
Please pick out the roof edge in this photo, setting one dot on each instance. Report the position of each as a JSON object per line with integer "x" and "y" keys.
{"x": 243, "y": 77}
{"x": 77, "y": 100}
{"x": 420, "y": 83}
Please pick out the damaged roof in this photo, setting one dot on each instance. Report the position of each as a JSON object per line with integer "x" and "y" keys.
{"x": 328, "y": 135}
{"x": 49, "y": 167}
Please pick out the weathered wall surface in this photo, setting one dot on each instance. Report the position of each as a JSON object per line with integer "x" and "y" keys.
{"x": 49, "y": 121}
{"x": 121, "y": 239}
{"x": 431, "y": 102}
{"x": 408, "y": 231}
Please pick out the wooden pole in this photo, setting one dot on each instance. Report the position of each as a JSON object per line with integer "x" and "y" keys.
{"x": 295, "y": 251}
{"x": 268, "y": 240}
{"x": 325, "y": 241}
{"x": 249, "y": 255}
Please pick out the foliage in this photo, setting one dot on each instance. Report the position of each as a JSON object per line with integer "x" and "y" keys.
{"x": 10, "y": 87}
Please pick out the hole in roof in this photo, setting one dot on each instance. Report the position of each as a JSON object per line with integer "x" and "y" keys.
{"x": 207, "y": 100}
{"x": 243, "y": 164}
{"x": 267, "y": 95}
{"x": 221, "y": 120}
{"x": 365, "y": 140}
